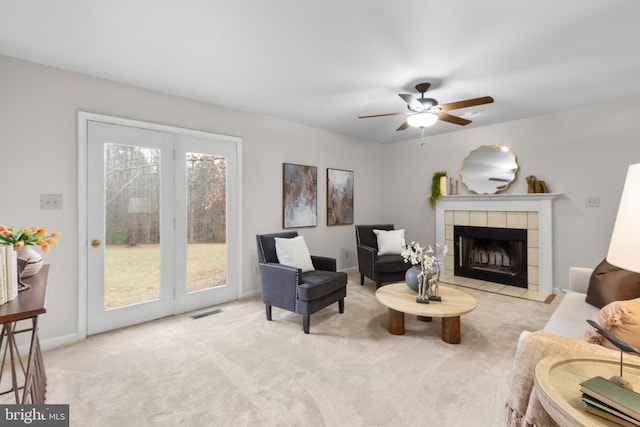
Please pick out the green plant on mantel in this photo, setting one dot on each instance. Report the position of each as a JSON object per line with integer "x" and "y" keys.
{"x": 435, "y": 187}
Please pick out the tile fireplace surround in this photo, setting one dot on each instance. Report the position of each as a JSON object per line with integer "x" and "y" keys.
{"x": 532, "y": 212}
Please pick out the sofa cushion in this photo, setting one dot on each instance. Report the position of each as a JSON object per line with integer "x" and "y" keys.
{"x": 570, "y": 317}
{"x": 622, "y": 319}
{"x": 389, "y": 241}
{"x": 294, "y": 252}
{"x": 609, "y": 283}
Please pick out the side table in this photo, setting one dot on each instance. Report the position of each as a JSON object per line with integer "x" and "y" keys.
{"x": 28, "y": 305}
{"x": 557, "y": 383}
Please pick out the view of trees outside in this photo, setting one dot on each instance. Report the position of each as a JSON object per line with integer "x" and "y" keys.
{"x": 132, "y": 223}
{"x": 206, "y": 221}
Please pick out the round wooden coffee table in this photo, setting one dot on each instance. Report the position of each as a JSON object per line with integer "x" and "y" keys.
{"x": 399, "y": 299}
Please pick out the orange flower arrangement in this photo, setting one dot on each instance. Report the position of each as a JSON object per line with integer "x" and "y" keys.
{"x": 27, "y": 236}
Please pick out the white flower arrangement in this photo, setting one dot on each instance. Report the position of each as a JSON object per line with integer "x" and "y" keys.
{"x": 412, "y": 252}
{"x": 429, "y": 259}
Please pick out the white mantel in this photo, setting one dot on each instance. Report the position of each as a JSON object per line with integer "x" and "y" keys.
{"x": 539, "y": 203}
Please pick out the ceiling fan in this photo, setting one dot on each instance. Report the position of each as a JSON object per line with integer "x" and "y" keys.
{"x": 424, "y": 112}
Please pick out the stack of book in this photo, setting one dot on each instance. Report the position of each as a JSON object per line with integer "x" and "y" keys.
{"x": 611, "y": 401}
{"x": 8, "y": 274}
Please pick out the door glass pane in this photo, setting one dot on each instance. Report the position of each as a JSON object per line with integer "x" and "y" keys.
{"x": 206, "y": 221}
{"x": 132, "y": 224}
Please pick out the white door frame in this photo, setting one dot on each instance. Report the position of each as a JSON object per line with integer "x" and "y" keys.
{"x": 83, "y": 237}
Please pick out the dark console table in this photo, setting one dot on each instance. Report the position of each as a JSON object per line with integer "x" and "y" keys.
{"x": 28, "y": 378}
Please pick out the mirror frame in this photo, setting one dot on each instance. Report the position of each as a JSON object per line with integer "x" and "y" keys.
{"x": 474, "y": 187}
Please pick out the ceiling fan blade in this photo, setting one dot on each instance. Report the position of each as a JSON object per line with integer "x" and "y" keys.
{"x": 453, "y": 119}
{"x": 466, "y": 103}
{"x": 411, "y": 101}
{"x": 379, "y": 115}
{"x": 403, "y": 126}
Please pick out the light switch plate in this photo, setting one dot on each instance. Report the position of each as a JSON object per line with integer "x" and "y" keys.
{"x": 50, "y": 201}
{"x": 592, "y": 201}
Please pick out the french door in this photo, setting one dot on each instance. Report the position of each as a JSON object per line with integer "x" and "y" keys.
{"x": 161, "y": 222}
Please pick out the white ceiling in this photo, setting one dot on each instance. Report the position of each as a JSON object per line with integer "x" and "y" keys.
{"x": 323, "y": 63}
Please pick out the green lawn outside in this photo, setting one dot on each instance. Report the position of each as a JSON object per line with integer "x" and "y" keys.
{"x": 132, "y": 274}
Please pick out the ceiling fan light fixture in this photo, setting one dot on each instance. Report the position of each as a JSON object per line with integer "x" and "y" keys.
{"x": 422, "y": 119}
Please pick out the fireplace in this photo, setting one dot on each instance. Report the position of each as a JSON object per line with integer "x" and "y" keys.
{"x": 533, "y": 212}
{"x": 493, "y": 254}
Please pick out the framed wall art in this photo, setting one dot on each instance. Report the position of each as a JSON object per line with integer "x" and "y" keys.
{"x": 339, "y": 197}
{"x": 299, "y": 196}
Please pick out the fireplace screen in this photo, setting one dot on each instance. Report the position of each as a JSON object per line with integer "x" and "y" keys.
{"x": 493, "y": 254}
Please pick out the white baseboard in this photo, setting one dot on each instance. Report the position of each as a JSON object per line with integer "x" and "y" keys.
{"x": 50, "y": 343}
{"x": 55, "y": 342}
{"x": 249, "y": 294}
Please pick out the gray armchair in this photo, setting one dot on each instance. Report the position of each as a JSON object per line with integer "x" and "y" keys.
{"x": 379, "y": 268}
{"x": 289, "y": 288}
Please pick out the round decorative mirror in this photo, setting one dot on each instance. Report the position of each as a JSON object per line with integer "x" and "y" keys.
{"x": 489, "y": 169}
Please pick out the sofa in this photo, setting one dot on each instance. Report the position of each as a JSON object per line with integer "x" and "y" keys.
{"x": 566, "y": 332}
{"x": 569, "y": 319}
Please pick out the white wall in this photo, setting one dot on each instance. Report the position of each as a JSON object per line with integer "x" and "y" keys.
{"x": 578, "y": 153}
{"x": 38, "y": 141}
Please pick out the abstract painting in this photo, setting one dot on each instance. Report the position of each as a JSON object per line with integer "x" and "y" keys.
{"x": 339, "y": 197}
{"x": 299, "y": 196}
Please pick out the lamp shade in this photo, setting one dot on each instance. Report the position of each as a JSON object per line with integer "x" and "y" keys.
{"x": 624, "y": 247}
{"x": 422, "y": 120}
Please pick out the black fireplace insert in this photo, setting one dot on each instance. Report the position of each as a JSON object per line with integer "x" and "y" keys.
{"x": 492, "y": 254}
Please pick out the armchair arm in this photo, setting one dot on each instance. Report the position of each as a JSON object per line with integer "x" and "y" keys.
{"x": 324, "y": 263}
{"x": 279, "y": 284}
{"x": 366, "y": 258}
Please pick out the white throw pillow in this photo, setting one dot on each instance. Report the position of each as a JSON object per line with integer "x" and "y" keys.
{"x": 389, "y": 241}
{"x": 294, "y": 252}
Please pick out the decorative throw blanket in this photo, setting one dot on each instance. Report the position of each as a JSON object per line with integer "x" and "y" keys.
{"x": 523, "y": 409}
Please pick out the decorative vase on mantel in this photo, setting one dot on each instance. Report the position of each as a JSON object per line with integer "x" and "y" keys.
{"x": 32, "y": 259}
{"x": 411, "y": 277}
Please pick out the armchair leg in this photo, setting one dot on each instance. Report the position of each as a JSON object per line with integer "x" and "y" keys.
{"x": 268, "y": 310}
{"x": 341, "y": 305}
{"x": 305, "y": 323}
{"x": 362, "y": 280}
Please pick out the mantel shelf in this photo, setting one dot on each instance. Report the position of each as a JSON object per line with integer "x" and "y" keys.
{"x": 501, "y": 197}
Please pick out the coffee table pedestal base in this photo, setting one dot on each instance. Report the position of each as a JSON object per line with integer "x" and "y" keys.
{"x": 450, "y": 326}
{"x": 451, "y": 330}
{"x": 396, "y": 322}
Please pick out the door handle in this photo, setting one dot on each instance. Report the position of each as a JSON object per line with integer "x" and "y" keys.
{"x": 95, "y": 243}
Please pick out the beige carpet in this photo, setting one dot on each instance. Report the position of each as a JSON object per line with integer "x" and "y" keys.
{"x": 236, "y": 369}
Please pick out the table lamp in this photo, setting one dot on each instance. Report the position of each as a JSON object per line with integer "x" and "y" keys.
{"x": 624, "y": 247}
